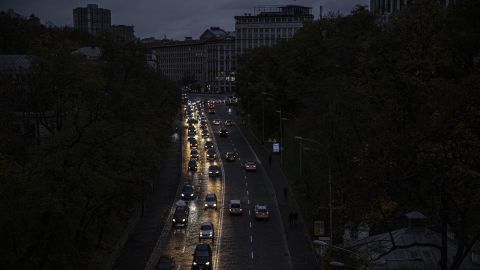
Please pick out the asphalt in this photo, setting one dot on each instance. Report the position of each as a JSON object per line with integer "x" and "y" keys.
{"x": 299, "y": 243}
{"x": 139, "y": 246}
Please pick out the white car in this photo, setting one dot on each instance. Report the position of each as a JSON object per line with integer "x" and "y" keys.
{"x": 216, "y": 122}
{"x": 206, "y": 231}
{"x": 250, "y": 165}
{"x": 261, "y": 212}
{"x": 211, "y": 201}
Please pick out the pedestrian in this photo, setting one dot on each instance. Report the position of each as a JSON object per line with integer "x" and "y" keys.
{"x": 295, "y": 217}
{"x": 285, "y": 193}
{"x": 270, "y": 160}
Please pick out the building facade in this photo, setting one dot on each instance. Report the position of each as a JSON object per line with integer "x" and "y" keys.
{"x": 269, "y": 25}
{"x": 384, "y": 8}
{"x": 208, "y": 62}
{"x": 92, "y": 19}
{"x": 123, "y": 33}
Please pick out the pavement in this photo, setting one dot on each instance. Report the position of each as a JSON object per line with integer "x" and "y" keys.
{"x": 300, "y": 245}
{"x": 139, "y": 246}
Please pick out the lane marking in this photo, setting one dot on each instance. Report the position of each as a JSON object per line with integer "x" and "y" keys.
{"x": 246, "y": 184}
{"x": 248, "y": 202}
{"x": 245, "y": 177}
{"x": 247, "y": 192}
{"x": 251, "y": 255}
{"x": 250, "y": 224}
{"x": 249, "y": 212}
{"x": 251, "y": 238}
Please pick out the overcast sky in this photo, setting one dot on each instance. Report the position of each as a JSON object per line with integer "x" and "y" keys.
{"x": 173, "y": 18}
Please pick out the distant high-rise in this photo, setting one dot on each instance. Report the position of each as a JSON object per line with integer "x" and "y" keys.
{"x": 92, "y": 20}
{"x": 383, "y": 8}
{"x": 123, "y": 32}
{"x": 269, "y": 25}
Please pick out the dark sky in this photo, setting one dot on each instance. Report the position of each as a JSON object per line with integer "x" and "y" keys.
{"x": 173, "y": 18}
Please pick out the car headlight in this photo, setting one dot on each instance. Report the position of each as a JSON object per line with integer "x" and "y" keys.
{"x": 173, "y": 220}
{"x": 206, "y": 205}
{"x": 207, "y": 263}
{"x": 214, "y": 204}
{"x": 194, "y": 263}
{"x": 183, "y": 220}
{"x": 183, "y": 194}
{"x": 210, "y": 233}
{"x": 191, "y": 195}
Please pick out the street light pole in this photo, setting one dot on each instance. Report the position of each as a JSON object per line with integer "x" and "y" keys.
{"x": 330, "y": 195}
{"x": 263, "y": 119}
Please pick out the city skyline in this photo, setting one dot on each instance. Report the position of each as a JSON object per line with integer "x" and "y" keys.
{"x": 171, "y": 19}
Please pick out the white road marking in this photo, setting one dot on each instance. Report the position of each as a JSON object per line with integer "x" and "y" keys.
{"x": 248, "y": 202}
{"x": 247, "y": 192}
{"x": 251, "y": 238}
{"x": 246, "y": 184}
{"x": 250, "y": 224}
{"x": 249, "y": 212}
{"x": 251, "y": 255}
{"x": 245, "y": 177}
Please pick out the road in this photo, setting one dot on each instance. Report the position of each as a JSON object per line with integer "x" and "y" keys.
{"x": 241, "y": 242}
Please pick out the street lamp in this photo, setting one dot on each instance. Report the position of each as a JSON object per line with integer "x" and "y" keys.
{"x": 330, "y": 207}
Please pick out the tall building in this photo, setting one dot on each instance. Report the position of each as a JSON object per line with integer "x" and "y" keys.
{"x": 269, "y": 25}
{"x": 92, "y": 20}
{"x": 383, "y": 8}
{"x": 208, "y": 62}
{"x": 123, "y": 32}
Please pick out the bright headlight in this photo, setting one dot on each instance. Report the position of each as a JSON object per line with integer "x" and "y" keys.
{"x": 173, "y": 220}
{"x": 207, "y": 263}
{"x": 211, "y": 233}
{"x": 183, "y": 194}
{"x": 194, "y": 263}
{"x": 214, "y": 204}
{"x": 191, "y": 195}
{"x": 183, "y": 220}
{"x": 206, "y": 205}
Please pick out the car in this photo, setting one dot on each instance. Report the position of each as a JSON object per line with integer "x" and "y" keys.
{"x": 205, "y": 131}
{"x": 202, "y": 257}
{"x": 192, "y": 165}
{"x": 191, "y": 132}
{"x": 216, "y": 122}
{"x": 191, "y": 128}
{"x": 214, "y": 171}
{"x": 194, "y": 154}
{"x": 250, "y": 166}
{"x": 205, "y": 135}
{"x": 203, "y": 127}
{"x": 223, "y": 132}
{"x": 211, "y": 201}
{"x": 206, "y": 231}
{"x": 211, "y": 154}
{"x": 228, "y": 123}
{"x": 235, "y": 207}
{"x": 261, "y": 212}
{"x": 208, "y": 144}
{"x": 193, "y": 143}
{"x": 203, "y": 120}
{"x": 191, "y": 138}
{"x": 230, "y": 156}
{"x": 187, "y": 192}
{"x": 192, "y": 120}
{"x": 180, "y": 216}
{"x": 165, "y": 262}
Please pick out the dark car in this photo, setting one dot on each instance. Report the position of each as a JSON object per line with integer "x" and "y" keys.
{"x": 228, "y": 123}
{"x": 165, "y": 263}
{"x": 211, "y": 201}
{"x": 194, "y": 154}
{"x": 211, "y": 154}
{"x": 208, "y": 144}
{"x": 193, "y": 143}
{"x": 180, "y": 216}
{"x": 213, "y": 171}
{"x": 202, "y": 257}
{"x": 230, "y": 156}
{"x": 187, "y": 192}
{"x": 223, "y": 132}
{"x": 192, "y": 165}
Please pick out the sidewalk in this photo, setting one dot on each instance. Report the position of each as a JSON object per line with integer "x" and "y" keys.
{"x": 141, "y": 242}
{"x": 301, "y": 251}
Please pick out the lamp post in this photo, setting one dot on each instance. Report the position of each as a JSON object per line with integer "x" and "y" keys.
{"x": 330, "y": 207}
